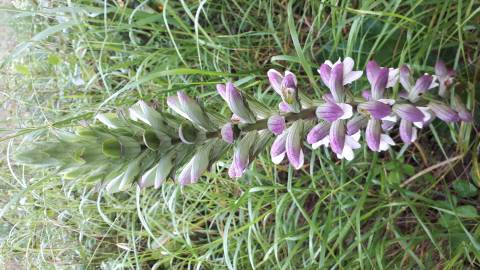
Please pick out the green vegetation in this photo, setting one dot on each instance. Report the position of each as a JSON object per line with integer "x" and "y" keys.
{"x": 413, "y": 207}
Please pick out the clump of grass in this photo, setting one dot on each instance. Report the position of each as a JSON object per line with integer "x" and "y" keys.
{"x": 414, "y": 207}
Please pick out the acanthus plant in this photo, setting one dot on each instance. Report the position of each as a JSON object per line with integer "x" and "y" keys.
{"x": 146, "y": 146}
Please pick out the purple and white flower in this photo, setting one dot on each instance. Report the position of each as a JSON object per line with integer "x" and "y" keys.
{"x": 413, "y": 92}
{"x": 444, "y": 76}
{"x": 379, "y": 109}
{"x": 335, "y": 111}
{"x": 286, "y": 87}
{"x": 409, "y": 115}
{"x": 289, "y": 143}
{"x": 343, "y": 75}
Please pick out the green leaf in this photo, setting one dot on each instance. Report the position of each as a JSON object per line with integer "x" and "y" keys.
{"x": 465, "y": 189}
{"x": 467, "y": 211}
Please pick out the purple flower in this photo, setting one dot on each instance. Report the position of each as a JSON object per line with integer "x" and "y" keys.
{"x": 241, "y": 155}
{"x": 293, "y": 144}
{"x": 415, "y": 91}
{"x": 277, "y": 152}
{"x": 276, "y": 124}
{"x": 380, "y": 78}
{"x": 376, "y": 140}
{"x": 445, "y": 77}
{"x": 377, "y": 109}
{"x": 341, "y": 143}
{"x": 190, "y": 109}
{"x": 444, "y": 112}
{"x": 335, "y": 76}
{"x": 408, "y": 133}
{"x": 195, "y": 167}
{"x": 286, "y": 87}
{"x": 318, "y": 135}
{"x": 408, "y": 112}
{"x": 289, "y": 143}
{"x": 227, "y": 133}
{"x": 463, "y": 113}
{"x": 236, "y": 102}
{"x": 331, "y": 111}
{"x": 356, "y": 123}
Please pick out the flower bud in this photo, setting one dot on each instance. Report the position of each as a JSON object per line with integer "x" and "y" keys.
{"x": 227, "y": 133}
{"x": 276, "y": 124}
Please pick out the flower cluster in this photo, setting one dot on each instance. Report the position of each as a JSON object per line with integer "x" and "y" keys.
{"x": 338, "y": 120}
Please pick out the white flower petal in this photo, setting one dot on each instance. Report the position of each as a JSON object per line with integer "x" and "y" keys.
{"x": 278, "y": 158}
{"x": 356, "y": 136}
{"x": 391, "y": 118}
{"x": 414, "y": 134}
{"x": 351, "y": 76}
{"x": 387, "y": 101}
{"x": 347, "y": 153}
{"x": 325, "y": 142}
{"x": 329, "y": 63}
{"x": 348, "y": 64}
{"x": 347, "y": 110}
{"x": 393, "y": 75}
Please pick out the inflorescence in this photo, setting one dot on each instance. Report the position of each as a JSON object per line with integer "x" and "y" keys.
{"x": 164, "y": 146}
